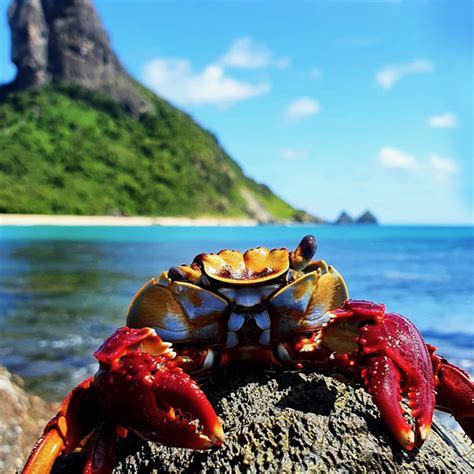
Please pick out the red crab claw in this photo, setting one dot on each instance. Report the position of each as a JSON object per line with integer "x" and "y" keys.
{"x": 143, "y": 390}
{"x": 391, "y": 357}
{"x": 78, "y": 416}
{"x": 138, "y": 387}
{"x": 455, "y": 391}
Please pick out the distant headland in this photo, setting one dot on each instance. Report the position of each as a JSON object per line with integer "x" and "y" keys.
{"x": 80, "y": 137}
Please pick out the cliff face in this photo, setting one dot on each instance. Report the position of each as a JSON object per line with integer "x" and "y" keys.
{"x": 64, "y": 40}
{"x": 29, "y": 42}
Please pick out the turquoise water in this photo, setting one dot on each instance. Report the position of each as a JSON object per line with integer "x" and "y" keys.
{"x": 63, "y": 289}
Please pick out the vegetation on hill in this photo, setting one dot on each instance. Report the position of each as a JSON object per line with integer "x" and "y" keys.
{"x": 67, "y": 150}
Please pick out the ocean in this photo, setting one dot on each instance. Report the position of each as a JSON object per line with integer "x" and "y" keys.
{"x": 63, "y": 289}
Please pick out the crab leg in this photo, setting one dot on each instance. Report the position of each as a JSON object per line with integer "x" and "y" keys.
{"x": 455, "y": 391}
{"x": 390, "y": 356}
{"x": 76, "y": 419}
{"x": 101, "y": 449}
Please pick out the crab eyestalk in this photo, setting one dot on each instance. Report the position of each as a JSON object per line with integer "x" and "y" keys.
{"x": 145, "y": 391}
{"x": 188, "y": 273}
{"x": 303, "y": 254}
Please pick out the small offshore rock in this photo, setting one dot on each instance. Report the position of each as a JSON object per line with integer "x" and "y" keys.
{"x": 344, "y": 219}
{"x": 366, "y": 218}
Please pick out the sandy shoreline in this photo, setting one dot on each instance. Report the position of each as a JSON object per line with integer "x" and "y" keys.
{"x": 40, "y": 219}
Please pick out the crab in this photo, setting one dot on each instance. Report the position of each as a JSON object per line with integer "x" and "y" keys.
{"x": 261, "y": 307}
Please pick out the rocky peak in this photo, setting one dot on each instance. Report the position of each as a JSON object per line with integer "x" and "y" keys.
{"x": 366, "y": 218}
{"x": 29, "y": 33}
{"x": 344, "y": 218}
{"x": 64, "y": 40}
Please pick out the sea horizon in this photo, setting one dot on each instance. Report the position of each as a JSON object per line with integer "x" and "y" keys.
{"x": 71, "y": 220}
{"x": 64, "y": 288}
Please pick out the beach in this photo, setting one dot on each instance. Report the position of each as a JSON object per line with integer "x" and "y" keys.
{"x": 138, "y": 221}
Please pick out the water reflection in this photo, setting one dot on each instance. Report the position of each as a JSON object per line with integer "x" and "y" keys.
{"x": 59, "y": 300}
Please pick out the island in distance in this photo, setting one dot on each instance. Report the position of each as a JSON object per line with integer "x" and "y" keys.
{"x": 365, "y": 218}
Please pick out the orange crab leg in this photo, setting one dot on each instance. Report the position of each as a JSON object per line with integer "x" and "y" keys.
{"x": 76, "y": 419}
{"x": 44, "y": 453}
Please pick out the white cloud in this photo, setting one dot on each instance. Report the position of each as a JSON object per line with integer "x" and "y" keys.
{"x": 315, "y": 73}
{"x": 245, "y": 53}
{"x": 447, "y": 120}
{"x": 283, "y": 62}
{"x": 389, "y": 75}
{"x": 302, "y": 108}
{"x": 293, "y": 154}
{"x": 395, "y": 158}
{"x": 443, "y": 167}
{"x": 175, "y": 80}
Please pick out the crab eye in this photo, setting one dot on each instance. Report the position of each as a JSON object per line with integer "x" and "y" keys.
{"x": 187, "y": 273}
{"x": 177, "y": 274}
{"x": 303, "y": 254}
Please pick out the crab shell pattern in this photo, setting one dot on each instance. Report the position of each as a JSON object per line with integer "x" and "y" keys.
{"x": 243, "y": 304}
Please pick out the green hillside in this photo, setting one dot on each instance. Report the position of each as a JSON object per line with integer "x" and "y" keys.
{"x": 67, "y": 150}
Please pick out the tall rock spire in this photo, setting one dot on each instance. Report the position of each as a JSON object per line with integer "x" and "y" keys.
{"x": 29, "y": 42}
{"x": 64, "y": 40}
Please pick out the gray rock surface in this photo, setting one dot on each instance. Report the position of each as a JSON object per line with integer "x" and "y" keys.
{"x": 64, "y": 40}
{"x": 29, "y": 35}
{"x": 292, "y": 422}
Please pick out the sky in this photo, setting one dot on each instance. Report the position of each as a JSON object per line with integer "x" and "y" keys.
{"x": 334, "y": 105}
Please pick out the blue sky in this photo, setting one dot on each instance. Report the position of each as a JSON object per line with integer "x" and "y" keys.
{"x": 334, "y": 105}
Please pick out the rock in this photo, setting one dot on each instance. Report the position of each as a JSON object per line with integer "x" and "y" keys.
{"x": 64, "y": 40}
{"x": 344, "y": 219}
{"x": 366, "y": 218}
{"x": 29, "y": 42}
{"x": 290, "y": 422}
{"x": 22, "y": 419}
